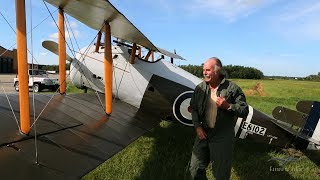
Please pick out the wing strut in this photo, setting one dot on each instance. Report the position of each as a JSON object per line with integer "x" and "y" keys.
{"x": 148, "y": 55}
{"x": 98, "y": 42}
{"x": 23, "y": 67}
{"x": 108, "y": 68}
{"x": 139, "y": 51}
{"x": 133, "y": 53}
{"x": 152, "y": 56}
{"x": 62, "y": 52}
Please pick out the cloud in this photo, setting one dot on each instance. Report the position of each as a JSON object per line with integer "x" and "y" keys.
{"x": 71, "y": 30}
{"x": 73, "y": 24}
{"x": 288, "y": 55}
{"x": 299, "y": 20}
{"x": 231, "y": 10}
{"x": 297, "y": 11}
{"x": 68, "y": 34}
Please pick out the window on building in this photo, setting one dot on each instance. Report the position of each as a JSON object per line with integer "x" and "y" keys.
{"x": 6, "y": 65}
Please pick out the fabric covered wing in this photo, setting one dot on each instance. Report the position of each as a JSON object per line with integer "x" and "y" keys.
{"x": 170, "y": 54}
{"x": 94, "y": 13}
{"x": 73, "y": 136}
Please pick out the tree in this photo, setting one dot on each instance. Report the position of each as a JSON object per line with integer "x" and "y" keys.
{"x": 230, "y": 71}
{"x": 54, "y": 67}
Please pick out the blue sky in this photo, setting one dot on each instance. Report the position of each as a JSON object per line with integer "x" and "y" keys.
{"x": 278, "y": 37}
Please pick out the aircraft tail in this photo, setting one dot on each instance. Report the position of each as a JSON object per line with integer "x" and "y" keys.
{"x": 306, "y": 118}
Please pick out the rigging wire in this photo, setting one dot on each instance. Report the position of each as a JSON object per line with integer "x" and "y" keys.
{"x": 83, "y": 55}
{"x": 73, "y": 34}
{"x": 123, "y": 71}
{"x": 73, "y": 53}
{"x": 27, "y": 32}
{"x": 86, "y": 51}
{"x": 33, "y": 89}
{"x": 11, "y": 108}
{"x": 114, "y": 76}
{"x": 69, "y": 34}
{"x": 31, "y": 53}
{"x": 50, "y": 14}
{"x": 82, "y": 59}
{"x": 7, "y": 22}
{"x": 33, "y": 58}
{"x": 121, "y": 78}
{"x": 135, "y": 82}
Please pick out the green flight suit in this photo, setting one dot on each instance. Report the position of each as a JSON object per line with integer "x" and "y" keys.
{"x": 218, "y": 147}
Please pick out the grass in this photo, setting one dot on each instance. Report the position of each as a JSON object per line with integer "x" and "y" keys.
{"x": 164, "y": 152}
{"x": 73, "y": 89}
{"x": 70, "y": 88}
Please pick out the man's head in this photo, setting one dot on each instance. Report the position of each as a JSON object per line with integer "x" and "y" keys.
{"x": 212, "y": 69}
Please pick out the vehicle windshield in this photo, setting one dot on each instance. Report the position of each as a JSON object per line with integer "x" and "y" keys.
{"x": 38, "y": 72}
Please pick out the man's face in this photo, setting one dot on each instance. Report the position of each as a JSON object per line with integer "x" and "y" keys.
{"x": 209, "y": 72}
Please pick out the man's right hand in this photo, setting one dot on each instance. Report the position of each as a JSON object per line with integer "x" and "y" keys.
{"x": 201, "y": 133}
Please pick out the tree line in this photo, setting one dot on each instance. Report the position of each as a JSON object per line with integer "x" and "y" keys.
{"x": 313, "y": 77}
{"x": 54, "y": 67}
{"x": 230, "y": 71}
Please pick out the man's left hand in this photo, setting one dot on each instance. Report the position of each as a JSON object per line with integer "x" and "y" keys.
{"x": 222, "y": 103}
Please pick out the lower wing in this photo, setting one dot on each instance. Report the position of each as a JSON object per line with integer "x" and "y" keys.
{"x": 74, "y": 135}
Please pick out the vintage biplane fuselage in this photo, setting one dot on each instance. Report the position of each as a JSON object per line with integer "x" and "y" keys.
{"x": 158, "y": 87}
{"x": 165, "y": 90}
{"x": 75, "y": 133}
{"x": 133, "y": 83}
{"x": 130, "y": 81}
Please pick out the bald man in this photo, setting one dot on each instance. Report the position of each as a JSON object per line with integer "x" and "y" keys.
{"x": 216, "y": 103}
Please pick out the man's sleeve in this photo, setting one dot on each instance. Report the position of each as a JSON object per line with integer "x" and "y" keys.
{"x": 240, "y": 106}
{"x": 194, "y": 112}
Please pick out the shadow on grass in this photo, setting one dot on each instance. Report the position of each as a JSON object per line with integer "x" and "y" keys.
{"x": 252, "y": 161}
{"x": 171, "y": 154}
{"x": 314, "y": 156}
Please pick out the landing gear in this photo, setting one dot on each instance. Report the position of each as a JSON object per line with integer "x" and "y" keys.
{"x": 85, "y": 89}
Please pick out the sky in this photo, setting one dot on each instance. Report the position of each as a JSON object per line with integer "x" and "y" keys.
{"x": 278, "y": 37}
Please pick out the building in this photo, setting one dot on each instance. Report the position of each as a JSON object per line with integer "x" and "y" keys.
{"x": 8, "y": 61}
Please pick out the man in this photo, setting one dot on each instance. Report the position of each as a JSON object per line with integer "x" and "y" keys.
{"x": 216, "y": 102}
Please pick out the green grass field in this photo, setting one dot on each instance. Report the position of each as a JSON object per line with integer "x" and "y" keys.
{"x": 165, "y": 151}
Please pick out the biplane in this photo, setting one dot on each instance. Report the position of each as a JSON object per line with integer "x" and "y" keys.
{"x": 73, "y": 133}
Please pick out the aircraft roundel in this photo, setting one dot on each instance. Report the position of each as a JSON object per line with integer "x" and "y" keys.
{"x": 181, "y": 108}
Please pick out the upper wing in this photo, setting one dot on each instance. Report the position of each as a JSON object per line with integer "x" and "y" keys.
{"x": 170, "y": 54}
{"x": 94, "y": 13}
{"x": 73, "y": 136}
